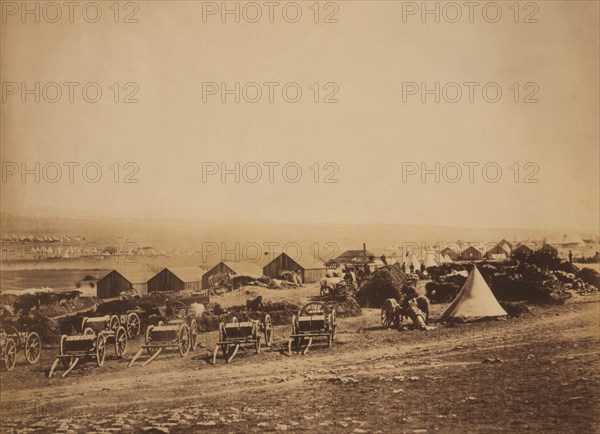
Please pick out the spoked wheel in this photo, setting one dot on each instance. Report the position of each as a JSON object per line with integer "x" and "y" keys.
{"x": 177, "y": 309}
{"x": 268, "y": 330}
{"x": 388, "y": 312}
{"x": 100, "y": 349}
{"x": 114, "y": 323}
{"x": 33, "y": 347}
{"x": 120, "y": 342}
{"x": 133, "y": 325}
{"x": 150, "y": 350}
{"x": 184, "y": 340}
{"x": 10, "y": 354}
{"x": 193, "y": 335}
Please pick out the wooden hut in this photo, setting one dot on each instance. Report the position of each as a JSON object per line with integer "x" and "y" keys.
{"x": 312, "y": 270}
{"x": 114, "y": 282}
{"x": 228, "y": 268}
{"x": 177, "y": 279}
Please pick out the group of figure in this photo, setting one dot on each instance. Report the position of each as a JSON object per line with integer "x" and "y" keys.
{"x": 356, "y": 275}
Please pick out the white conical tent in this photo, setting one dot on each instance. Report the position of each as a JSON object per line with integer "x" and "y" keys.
{"x": 475, "y": 301}
{"x": 430, "y": 260}
{"x": 573, "y": 239}
{"x": 445, "y": 259}
{"x": 412, "y": 259}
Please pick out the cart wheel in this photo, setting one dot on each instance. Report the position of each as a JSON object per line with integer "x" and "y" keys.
{"x": 120, "y": 342}
{"x": 10, "y": 354}
{"x": 114, "y": 323}
{"x": 150, "y": 350}
{"x": 33, "y": 347}
{"x": 100, "y": 349}
{"x": 388, "y": 312}
{"x": 177, "y": 309}
{"x": 133, "y": 325}
{"x": 268, "y": 330}
{"x": 88, "y": 331}
{"x": 184, "y": 340}
{"x": 194, "y": 334}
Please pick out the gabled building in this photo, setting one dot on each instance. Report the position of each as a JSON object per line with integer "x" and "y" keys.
{"x": 231, "y": 269}
{"x": 114, "y": 282}
{"x": 351, "y": 258}
{"x": 470, "y": 254}
{"x": 312, "y": 270}
{"x": 177, "y": 279}
{"x": 522, "y": 251}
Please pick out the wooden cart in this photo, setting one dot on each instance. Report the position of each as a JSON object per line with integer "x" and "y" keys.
{"x": 234, "y": 335}
{"x": 314, "y": 320}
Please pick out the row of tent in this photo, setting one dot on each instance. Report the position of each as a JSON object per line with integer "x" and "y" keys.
{"x": 194, "y": 278}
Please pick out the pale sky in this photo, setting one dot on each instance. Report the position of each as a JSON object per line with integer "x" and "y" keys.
{"x": 368, "y": 134}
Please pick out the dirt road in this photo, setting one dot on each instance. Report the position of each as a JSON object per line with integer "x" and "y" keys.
{"x": 538, "y": 373}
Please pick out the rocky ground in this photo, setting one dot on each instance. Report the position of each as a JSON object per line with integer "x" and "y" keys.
{"x": 537, "y": 373}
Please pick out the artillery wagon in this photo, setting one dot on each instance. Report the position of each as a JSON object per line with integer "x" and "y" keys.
{"x": 179, "y": 332}
{"x": 12, "y": 341}
{"x": 98, "y": 332}
{"x": 234, "y": 335}
{"x": 417, "y": 309}
{"x": 314, "y": 320}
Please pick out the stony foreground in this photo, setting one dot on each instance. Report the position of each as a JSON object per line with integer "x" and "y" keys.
{"x": 538, "y": 373}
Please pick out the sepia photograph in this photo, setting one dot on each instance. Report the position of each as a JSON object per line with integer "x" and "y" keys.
{"x": 307, "y": 216}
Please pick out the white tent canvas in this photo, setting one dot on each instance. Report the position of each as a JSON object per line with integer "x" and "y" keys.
{"x": 412, "y": 259}
{"x": 475, "y": 301}
{"x": 430, "y": 260}
{"x": 572, "y": 240}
